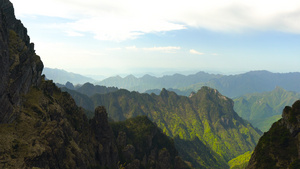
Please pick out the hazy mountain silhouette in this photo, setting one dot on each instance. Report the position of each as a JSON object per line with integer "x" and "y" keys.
{"x": 62, "y": 76}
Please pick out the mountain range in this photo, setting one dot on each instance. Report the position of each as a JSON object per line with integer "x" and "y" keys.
{"x": 61, "y": 76}
{"x": 196, "y": 122}
{"x": 207, "y": 116}
{"x": 42, "y": 127}
{"x": 229, "y": 85}
{"x": 263, "y": 109}
{"x": 147, "y": 82}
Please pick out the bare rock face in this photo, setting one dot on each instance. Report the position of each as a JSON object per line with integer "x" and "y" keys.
{"x": 20, "y": 68}
{"x": 121, "y": 139}
{"x": 291, "y": 118}
{"x": 164, "y": 159}
{"x": 135, "y": 164}
{"x": 129, "y": 152}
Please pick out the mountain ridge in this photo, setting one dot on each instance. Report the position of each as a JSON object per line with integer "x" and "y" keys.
{"x": 263, "y": 109}
{"x": 245, "y": 83}
{"x": 201, "y": 116}
{"x": 61, "y": 76}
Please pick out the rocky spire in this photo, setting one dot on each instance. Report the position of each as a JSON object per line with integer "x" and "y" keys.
{"x": 107, "y": 151}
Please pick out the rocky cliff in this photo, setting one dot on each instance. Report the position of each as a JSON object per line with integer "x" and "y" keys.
{"x": 40, "y": 126}
{"x": 20, "y": 67}
{"x": 280, "y": 146}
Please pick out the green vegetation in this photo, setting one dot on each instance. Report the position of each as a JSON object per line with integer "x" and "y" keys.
{"x": 81, "y": 99}
{"x": 45, "y": 123}
{"x": 276, "y": 144}
{"x": 145, "y": 136}
{"x": 241, "y": 161}
{"x": 90, "y": 89}
{"x": 207, "y": 120}
{"x": 263, "y": 109}
{"x": 266, "y": 123}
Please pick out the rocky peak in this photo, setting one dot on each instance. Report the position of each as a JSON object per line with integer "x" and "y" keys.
{"x": 164, "y": 93}
{"x": 100, "y": 123}
{"x": 70, "y": 85}
{"x": 106, "y": 150}
{"x": 291, "y": 118}
{"x": 12, "y": 22}
{"x": 192, "y": 94}
{"x": 280, "y": 146}
{"x": 213, "y": 96}
{"x": 20, "y": 67}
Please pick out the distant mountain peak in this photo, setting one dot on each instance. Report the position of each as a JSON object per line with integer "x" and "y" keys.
{"x": 278, "y": 88}
{"x": 210, "y": 90}
{"x": 130, "y": 76}
{"x": 164, "y": 93}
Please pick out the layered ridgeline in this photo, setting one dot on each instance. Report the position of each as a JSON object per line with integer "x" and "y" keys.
{"x": 229, "y": 85}
{"x": 205, "y": 120}
{"x": 280, "y": 146}
{"x": 148, "y": 82}
{"x": 251, "y": 82}
{"x": 263, "y": 109}
{"x": 41, "y": 127}
{"x": 83, "y": 93}
{"x": 62, "y": 76}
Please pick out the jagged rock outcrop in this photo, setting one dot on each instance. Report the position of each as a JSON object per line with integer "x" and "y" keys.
{"x": 20, "y": 66}
{"x": 280, "y": 146}
{"x": 107, "y": 152}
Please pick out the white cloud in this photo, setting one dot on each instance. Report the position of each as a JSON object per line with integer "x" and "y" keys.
{"x": 131, "y": 48}
{"x": 73, "y": 33}
{"x": 167, "y": 49}
{"x": 114, "y": 49}
{"x": 193, "y": 51}
{"x": 121, "y": 20}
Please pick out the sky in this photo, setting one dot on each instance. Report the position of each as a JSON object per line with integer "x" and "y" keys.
{"x": 121, "y": 37}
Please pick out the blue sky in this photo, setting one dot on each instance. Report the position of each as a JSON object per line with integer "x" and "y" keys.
{"x": 105, "y": 37}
